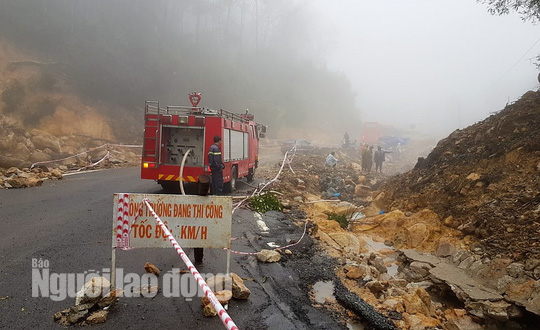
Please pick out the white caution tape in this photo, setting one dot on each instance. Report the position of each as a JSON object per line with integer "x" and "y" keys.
{"x": 85, "y": 152}
{"x": 225, "y": 318}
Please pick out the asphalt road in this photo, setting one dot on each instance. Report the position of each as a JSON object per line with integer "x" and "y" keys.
{"x": 68, "y": 222}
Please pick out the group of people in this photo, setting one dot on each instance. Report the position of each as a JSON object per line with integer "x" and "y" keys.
{"x": 216, "y": 163}
{"x": 369, "y": 157}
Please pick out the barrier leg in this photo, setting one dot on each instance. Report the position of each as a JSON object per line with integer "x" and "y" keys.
{"x": 113, "y": 268}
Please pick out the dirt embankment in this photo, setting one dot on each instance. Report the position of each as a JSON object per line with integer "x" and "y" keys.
{"x": 42, "y": 119}
{"x": 483, "y": 180}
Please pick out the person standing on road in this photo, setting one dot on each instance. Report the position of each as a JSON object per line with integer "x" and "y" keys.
{"x": 331, "y": 160}
{"x": 346, "y": 140}
{"x": 216, "y": 166}
{"x": 367, "y": 159}
{"x": 379, "y": 158}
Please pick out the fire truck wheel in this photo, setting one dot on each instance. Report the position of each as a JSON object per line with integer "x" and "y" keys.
{"x": 198, "y": 254}
{"x": 251, "y": 174}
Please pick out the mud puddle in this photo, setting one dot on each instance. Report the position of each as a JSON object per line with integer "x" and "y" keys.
{"x": 355, "y": 326}
{"x": 323, "y": 290}
{"x": 388, "y": 253}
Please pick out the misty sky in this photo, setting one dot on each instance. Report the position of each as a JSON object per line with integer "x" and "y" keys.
{"x": 440, "y": 64}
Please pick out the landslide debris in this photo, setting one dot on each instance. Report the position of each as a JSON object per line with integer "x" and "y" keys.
{"x": 483, "y": 180}
{"x": 42, "y": 120}
{"x": 477, "y": 181}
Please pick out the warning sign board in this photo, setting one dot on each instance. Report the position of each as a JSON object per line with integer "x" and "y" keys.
{"x": 194, "y": 221}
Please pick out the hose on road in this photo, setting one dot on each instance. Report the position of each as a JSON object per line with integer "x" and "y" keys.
{"x": 356, "y": 304}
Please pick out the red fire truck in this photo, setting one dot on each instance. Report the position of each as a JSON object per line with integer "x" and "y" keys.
{"x": 182, "y": 135}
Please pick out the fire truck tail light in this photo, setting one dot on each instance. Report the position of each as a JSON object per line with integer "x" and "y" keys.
{"x": 149, "y": 165}
{"x": 182, "y": 119}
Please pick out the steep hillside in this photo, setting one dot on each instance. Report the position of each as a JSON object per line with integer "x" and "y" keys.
{"x": 42, "y": 119}
{"x": 483, "y": 180}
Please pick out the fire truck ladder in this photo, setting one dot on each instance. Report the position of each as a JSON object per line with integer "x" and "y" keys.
{"x": 152, "y": 132}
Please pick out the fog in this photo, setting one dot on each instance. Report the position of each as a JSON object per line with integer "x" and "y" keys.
{"x": 323, "y": 65}
{"x": 437, "y": 64}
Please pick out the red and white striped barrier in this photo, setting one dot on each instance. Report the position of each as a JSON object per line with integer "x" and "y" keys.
{"x": 107, "y": 155}
{"x": 126, "y": 145}
{"x": 85, "y": 152}
{"x": 225, "y": 318}
{"x": 122, "y": 221}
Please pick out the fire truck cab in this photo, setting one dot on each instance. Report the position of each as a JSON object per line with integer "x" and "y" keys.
{"x": 182, "y": 135}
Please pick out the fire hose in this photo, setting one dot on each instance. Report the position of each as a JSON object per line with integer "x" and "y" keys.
{"x": 182, "y": 171}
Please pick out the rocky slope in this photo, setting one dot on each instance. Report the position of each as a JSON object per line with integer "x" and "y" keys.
{"x": 483, "y": 180}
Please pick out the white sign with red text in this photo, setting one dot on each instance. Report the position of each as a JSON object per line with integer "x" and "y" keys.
{"x": 194, "y": 221}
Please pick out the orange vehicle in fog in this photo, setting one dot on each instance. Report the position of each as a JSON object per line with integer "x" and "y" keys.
{"x": 371, "y": 132}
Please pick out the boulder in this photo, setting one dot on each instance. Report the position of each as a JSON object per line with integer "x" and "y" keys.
{"x": 150, "y": 268}
{"x": 462, "y": 323}
{"x": 22, "y": 152}
{"x": 97, "y": 317}
{"x": 209, "y": 310}
{"x": 56, "y": 173}
{"x": 357, "y": 272}
{"x": 222, "y": 296}
{"x": 268, "y": 256}
{"x": 7, "y": 142}
{"x": 420, "y": 268}
{"x": 346, "y": 240}
{"x": 361, "y": 190}
{"x": 15, "y": 182}
{"x": 44, "y": 140}
{"x": 76, "y": 315}
{"x": 393, "y": 304}
{"x": 12, "y": 170}
{"x": 361, "y": 179}
{"x": 531, "y": 263}
{"x": 474, "y": 176}
{"x": 31, "y": 181}
{"x": 93, "y": 290}
{"x": 391, "y": 220}
{"x": 418, "y": 302}
{"x": 417, "y": 234}
{"x": 378, "y": 263}
{"x": 39, "y": 156}
{"x": 445, "y": 249}
{"x": 7, "y": 162}
{"x": 110, "y": 298}
{"x": 515, "y": 269}
{"x": 239, "y": 289}
{"x": 376, "y": 286}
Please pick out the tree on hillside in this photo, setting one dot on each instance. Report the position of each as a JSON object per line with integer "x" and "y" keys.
{"x": 257, "y": 54}
{"x": 528, "y": 9}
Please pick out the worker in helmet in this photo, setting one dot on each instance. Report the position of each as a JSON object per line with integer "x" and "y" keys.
{"x": 216, "y": 166}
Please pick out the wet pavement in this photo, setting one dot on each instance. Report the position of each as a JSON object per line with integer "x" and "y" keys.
{"x": 68, "y": 223}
